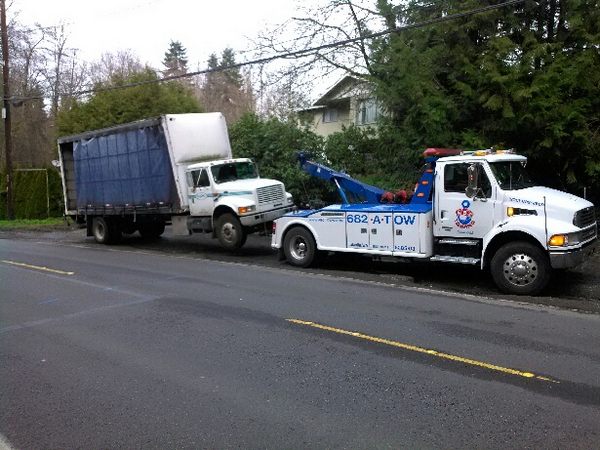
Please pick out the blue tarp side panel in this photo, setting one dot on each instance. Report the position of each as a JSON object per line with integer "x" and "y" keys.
{"x": 124, "y": 168}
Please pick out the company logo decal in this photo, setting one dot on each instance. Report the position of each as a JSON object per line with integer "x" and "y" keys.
{"x": 464, "y": 216}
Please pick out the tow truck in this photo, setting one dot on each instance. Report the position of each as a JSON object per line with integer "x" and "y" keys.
{"x": 469, "y": 207}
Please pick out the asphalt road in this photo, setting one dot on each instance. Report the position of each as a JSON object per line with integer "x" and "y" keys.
{"x": 129, "y": 347}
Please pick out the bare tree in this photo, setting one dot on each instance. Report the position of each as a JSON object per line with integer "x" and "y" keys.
{"x": 313, "y": 58}
{"x": 30, "y": 131}
{"x": 121, "y": 64}
{"x": 350, "y": 21}
{"x": 56, "y": 50}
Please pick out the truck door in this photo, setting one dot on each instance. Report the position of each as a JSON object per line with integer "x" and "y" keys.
{"x": 200, "y": 193}
{"x": 457, "y": 215}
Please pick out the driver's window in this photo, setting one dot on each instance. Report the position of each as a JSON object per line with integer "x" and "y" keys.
{"x": 203, "y": 180}
{"x": 456, "y": 179}
{"x": 198, "y": 178}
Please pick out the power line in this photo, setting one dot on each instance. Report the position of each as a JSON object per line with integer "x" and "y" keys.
{"x": 286, "y": 55}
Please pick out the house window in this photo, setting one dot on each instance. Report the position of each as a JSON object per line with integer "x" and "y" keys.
{"x": 367, "y": 111}
{"x": 330, "y": 115}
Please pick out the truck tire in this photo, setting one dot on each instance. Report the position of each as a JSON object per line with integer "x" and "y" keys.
{"x": 299, "y": 247}
{"x": 105, "y": 231}
{"x": 520, "y": 268}
{"x": 230, "y": 232}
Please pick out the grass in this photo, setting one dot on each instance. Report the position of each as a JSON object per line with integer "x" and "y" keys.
{"x": 33, "y": 224}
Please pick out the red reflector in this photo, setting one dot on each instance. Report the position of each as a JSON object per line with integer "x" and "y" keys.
{"x": 274, "y": 226}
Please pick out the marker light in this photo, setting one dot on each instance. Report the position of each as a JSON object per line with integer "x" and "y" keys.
{"x": 558, "y": 240}
{"x": 512, "y": 211}
{"x": 246, "y": 209}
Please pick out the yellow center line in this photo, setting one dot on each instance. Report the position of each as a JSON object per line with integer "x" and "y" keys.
{"x": 415, "y": 348}
{"x": 42, "y": 268}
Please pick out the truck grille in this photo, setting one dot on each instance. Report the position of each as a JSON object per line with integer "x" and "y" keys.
{"x": 584, "y": 217}
{"x": 588, "y": 234}
{"x": 271, "y": 194}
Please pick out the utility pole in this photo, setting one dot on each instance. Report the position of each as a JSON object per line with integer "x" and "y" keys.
{"x": 10, "y": 215}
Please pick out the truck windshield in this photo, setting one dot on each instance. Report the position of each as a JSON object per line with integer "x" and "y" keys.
{"x": 511, "y": 175}
{"x": 223, "y": 173}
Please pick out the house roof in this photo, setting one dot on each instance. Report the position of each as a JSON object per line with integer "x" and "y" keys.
{"x": 345, "y": 88}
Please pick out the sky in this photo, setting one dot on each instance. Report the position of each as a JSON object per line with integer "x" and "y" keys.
{"x": 147, "y": 26}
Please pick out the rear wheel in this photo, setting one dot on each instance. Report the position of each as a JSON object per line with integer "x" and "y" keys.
{"x": 105, "y": 231}
{"x": 299, "y": 247}
{"x": 520, "y": 268}
{"x": 230, "y": 232}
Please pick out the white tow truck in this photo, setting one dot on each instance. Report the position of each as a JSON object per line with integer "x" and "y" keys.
{"x": 479, "y": 208}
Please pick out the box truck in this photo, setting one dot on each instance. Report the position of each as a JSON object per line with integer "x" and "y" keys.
{"x": 174, "y": 169}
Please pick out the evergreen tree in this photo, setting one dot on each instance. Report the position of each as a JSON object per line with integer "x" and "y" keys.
{"x": 175, "y": 60}
{"x": 527, "y": 76}
{"x": 233, "y": 76}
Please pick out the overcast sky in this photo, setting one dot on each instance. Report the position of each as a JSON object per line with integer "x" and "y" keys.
{"x": 147, "y": 26}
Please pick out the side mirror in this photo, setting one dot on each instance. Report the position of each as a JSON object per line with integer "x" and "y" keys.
{"x": 473, "y": 181}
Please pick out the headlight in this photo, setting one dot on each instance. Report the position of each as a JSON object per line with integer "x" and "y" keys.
{"x": 246, "y": 209}
{"x": 563, "y": 240}
{"x": 559, "y": 240}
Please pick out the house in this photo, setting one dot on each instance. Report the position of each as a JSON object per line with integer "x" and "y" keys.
{"x": 349, "y": 102}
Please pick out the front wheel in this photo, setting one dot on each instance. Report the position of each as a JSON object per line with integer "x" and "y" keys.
{"x": 230, "y": 232}
{"x": 299, "y": 247}
{"x": 520, "y": 268}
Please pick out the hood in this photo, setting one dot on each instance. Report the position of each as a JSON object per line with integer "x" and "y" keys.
{"x": 246, "y": 185}
{"x": 560, "y": 205}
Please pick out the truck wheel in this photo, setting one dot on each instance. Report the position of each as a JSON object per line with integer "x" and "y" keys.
{"x": 103, "y": 230}
{"x": 230, "y": 232}
{"x": 299, "y": 247}
{"x": 520, "y": 268}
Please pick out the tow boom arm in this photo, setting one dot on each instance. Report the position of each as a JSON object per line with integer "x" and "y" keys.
{"x": 348, "y": 187}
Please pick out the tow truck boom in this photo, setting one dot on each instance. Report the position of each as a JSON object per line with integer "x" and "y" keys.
{"x": 348, "y": 187}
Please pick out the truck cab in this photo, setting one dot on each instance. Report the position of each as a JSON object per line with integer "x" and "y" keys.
{"x": 479, "y": 208}
{"x": 486, "y": 202}
{"x": 228, "y": 197}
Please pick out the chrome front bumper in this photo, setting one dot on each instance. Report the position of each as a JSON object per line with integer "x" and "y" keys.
{"x": 267, "y": 216}
{"x": 572, "y": 258}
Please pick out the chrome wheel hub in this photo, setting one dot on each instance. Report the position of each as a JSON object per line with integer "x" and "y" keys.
{"x": 298, "y": 249}
{"x": 520, "y": 269}
{"x": 228, "y": 231}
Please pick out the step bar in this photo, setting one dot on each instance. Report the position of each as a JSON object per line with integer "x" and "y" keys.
{"x": 455, "y": 259}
